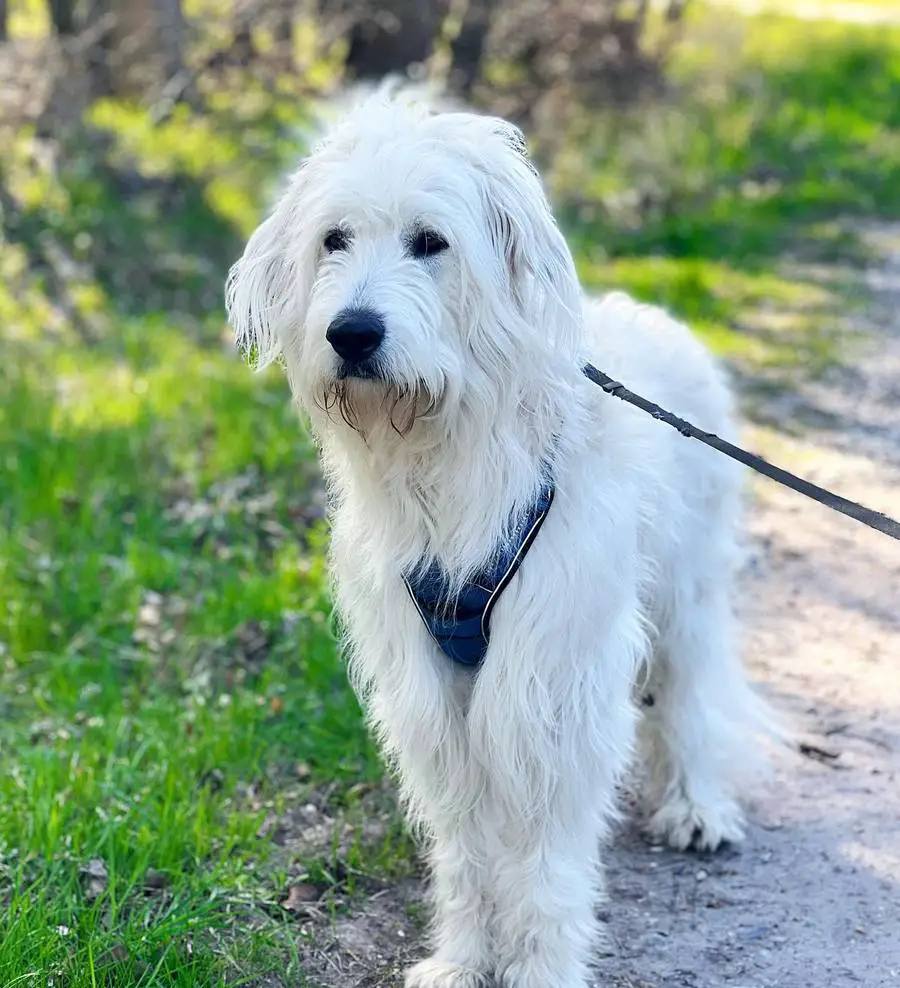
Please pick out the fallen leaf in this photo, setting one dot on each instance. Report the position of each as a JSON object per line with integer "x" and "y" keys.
{"x": 214, "y": 778}
{"x": 150, "y": 611}
{"x": 300, "y": 897}
{"x": 253, "y": 641}
{"x": 155, "y": 881}
{"x": 95, "y": 878}
{"x": 117, "y": 954}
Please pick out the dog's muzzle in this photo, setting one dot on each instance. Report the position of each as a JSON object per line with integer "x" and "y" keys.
{"x": 355, "y": 336}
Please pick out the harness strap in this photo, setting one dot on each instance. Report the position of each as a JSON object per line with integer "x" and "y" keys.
{"x": 462, "y": 627}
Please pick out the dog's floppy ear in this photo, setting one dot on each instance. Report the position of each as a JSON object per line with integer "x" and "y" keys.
{"x": 265, "y": 294}
{"x": 540, "y": 272}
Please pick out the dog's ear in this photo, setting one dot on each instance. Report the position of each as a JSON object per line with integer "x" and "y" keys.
{"x": 539, "y": 270}
{"x": 265, "y": 294}
{"x": 516, "y": 140}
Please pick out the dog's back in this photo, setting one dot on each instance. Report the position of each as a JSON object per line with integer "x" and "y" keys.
{"x": 659, "y": 357}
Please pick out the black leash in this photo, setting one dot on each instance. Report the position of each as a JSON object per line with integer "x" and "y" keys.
{"x": 874, "y": 519}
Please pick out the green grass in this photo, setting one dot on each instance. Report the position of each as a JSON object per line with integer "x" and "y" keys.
{"x": 167, "y": 654}
{"x": 168, "y": 677}
{"x": 778, "y": 139}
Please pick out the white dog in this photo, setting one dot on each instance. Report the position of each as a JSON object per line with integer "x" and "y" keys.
{"x": 427, "y": 309}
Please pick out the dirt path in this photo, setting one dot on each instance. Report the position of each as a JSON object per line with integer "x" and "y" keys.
{"x": 812, "y": 899}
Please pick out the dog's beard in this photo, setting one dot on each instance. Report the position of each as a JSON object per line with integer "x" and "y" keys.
{"x": 364, "y": 403}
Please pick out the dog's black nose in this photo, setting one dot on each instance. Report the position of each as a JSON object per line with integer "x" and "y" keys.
{"x": 355, "y": 334}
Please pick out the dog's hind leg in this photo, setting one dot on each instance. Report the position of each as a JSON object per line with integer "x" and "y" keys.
{"x": 699, "y": 718}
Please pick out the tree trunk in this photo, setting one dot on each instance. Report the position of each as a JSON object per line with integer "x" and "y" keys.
{"x": 98, "y": 29}
{"x": 242, "y": 47}
{"x": 62, "y": 15}
{"x": 4, "y": 23}
{"x": 467, "y": 49}
{"x": 146, "y": 46}
{"x": 390, "y": 35}
{"x": 171, "y": 31}
{"x": 284, "y": 32}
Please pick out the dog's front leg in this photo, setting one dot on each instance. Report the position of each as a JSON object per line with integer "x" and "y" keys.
{"x": 555, "y": 747}
{"x": 461, "y": 957}
{"x": 546, "y": 886}
{"x": 422, "y": 717}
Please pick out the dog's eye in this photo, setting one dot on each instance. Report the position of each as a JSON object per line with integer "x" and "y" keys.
{"x": 336, "y": 240}
{"x": 427, "y": 243}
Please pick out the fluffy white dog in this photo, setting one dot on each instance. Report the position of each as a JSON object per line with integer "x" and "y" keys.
{"x": 428, "y": 312}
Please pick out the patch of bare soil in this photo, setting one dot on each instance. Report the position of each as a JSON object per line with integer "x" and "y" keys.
{"x": 812, "y": 899}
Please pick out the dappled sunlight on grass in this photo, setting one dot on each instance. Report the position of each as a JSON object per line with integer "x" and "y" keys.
{"x": 774, "y": 125}
{"x": 779, "y": 134}
{"x": 167, "y": 650}
{"x": 186, "y": 144}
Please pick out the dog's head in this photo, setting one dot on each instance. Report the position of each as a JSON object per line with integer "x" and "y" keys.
{"x": 413, "y": 261}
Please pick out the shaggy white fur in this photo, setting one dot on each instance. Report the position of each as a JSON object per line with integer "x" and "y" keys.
{"x": 428, "y": 313}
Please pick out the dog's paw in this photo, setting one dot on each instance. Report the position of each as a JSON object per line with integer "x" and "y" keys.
{"x": 433, "y": 973}
{"x": 682, "y": 823}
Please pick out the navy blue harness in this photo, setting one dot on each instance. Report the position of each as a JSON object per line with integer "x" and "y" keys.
{"x": 461, "y": 627}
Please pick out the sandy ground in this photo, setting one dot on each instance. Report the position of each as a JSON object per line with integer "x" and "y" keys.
{"x": 812, "y": 899}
